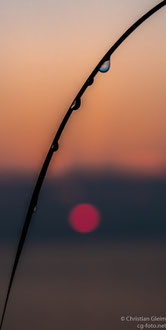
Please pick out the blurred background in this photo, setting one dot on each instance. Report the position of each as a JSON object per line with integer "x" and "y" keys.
{"x": 111, "y": 158}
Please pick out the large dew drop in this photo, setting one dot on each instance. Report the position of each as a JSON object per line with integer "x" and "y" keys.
{"x": 76, "y": 104}
{"x": 105, "y": 66}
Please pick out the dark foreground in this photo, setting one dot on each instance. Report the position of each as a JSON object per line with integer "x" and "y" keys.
{"x": 84, "y": 286}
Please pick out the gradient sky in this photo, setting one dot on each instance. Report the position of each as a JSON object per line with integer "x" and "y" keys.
{"x": 47, "y": 51}
{"x": 48, "y": 48}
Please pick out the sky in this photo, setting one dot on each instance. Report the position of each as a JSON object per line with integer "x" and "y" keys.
{"x": 47, "y": 51}
{"x": 48, "y": 48}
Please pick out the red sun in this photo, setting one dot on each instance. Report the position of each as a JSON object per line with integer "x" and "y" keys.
{"x": 84, "y": 218}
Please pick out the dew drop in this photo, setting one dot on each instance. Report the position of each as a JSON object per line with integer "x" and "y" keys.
{"x": 76, "y": 104}
{"x": 105, "y": 66}
{"x": 35, "y": 208}
{"x": 90, "y": 81}
{"x": 55, "y": 146}
{"x": 73, "y": 104}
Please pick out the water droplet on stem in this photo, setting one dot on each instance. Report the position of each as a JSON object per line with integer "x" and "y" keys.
{"x": 55, "y": 146}
{"x": 76, "y": 104}
{"x": 90, "y": 81}
{"x": 35, "y": 208}
{"x": 105, "y": 66}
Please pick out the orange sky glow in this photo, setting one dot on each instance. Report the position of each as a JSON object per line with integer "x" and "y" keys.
{"x": 122, "y": 119}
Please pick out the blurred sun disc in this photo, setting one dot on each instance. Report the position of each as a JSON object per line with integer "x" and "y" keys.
{"x": 84, "y": 218}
